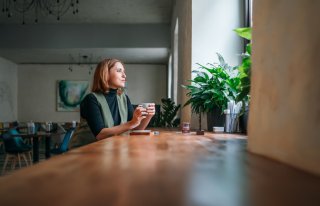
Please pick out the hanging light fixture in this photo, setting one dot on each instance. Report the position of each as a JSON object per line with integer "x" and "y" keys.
{"x": 55, "y": 8}
{"x": 86, "y": 60}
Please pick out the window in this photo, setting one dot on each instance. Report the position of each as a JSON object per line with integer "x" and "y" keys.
{"x": 175, "y": 63}
{"x": 248, "y": 13}
{"x": 169, "y": 92}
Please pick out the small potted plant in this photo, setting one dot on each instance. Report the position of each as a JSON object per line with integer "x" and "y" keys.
{"x": 168, "y": 113}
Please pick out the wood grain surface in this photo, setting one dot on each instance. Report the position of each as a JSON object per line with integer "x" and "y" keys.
{"x": 167, "y": 169}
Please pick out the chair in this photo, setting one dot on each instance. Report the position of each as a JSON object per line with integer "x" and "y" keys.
{"x": 65, "y": 142}
{"x": 15, "y": 148}
{"x": 57, "y": 135}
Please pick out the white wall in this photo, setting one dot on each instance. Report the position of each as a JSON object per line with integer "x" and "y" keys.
{"x": 8, "y": 91}
{"x": 213, "y": 22}
{"x": 37, "y": 91}
{"x": 37, "y": 88}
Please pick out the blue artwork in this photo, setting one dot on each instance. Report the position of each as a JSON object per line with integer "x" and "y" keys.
{"x": 70, "y": 94}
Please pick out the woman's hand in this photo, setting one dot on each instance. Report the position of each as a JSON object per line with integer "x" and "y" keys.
{"x": 151, "y": 110}
{"x": 138, "y": 115}
{"x": 147, "y": 111}
{"x": 137, "y": 122}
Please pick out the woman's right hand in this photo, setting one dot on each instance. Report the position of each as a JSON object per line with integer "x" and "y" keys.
{"x": 138, "y": 115}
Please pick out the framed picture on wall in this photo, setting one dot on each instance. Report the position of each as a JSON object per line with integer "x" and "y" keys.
{"x": 70, "y": 93}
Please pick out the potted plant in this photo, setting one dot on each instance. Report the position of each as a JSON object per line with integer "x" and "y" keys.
{"x": 216, "y": 85}
{"x": 166, "y": 114}
{"x": 244, "y": 74}
{"x": 212, "y": 87}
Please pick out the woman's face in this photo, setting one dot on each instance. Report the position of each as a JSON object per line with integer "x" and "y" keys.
{"x": 117, "y": 77}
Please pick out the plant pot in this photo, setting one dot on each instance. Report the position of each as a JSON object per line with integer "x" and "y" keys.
{"x": 215, "y": 118}
{"x": 200, "y": 132}
{"x": 243, "y": 121}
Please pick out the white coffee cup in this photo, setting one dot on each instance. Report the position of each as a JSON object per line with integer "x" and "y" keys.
{"x": 145, "y": 105}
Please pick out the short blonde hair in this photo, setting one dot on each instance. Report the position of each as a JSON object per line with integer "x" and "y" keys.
{"x": 100, "y": 78}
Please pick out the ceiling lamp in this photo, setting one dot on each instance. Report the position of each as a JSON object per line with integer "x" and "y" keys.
{"x": 39, "y": 8}
{"x": 83, "y": 60}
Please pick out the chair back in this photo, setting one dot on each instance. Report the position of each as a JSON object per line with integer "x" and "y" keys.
{"x": 16, "y": 143}
{"x": 66, "y": 140}
{"x": 17, "y": 139}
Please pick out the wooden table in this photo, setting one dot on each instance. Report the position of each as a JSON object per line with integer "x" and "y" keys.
{"x": 168, "y": 169}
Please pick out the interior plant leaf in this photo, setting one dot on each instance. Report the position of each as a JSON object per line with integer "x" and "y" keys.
{"x": 248, "y": 48}
{"x": 168, "y": 114}
{"x": 245, "y": 67}
{"x": 244, "y": 32}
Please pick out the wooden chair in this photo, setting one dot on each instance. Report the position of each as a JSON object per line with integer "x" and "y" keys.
{"x": 15, "y": 149}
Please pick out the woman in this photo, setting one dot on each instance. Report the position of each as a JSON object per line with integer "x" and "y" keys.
{"x": 107, "y": 111}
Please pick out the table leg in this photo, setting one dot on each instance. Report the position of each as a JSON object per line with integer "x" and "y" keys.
{"x": 35, "y": 141}
{"x": 48, "y": 143}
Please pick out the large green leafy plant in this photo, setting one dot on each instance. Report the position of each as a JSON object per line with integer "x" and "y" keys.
{"x": 245, "y": 67}
{"x": 217, "y": 84}
{"x": 213, "y": 86}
